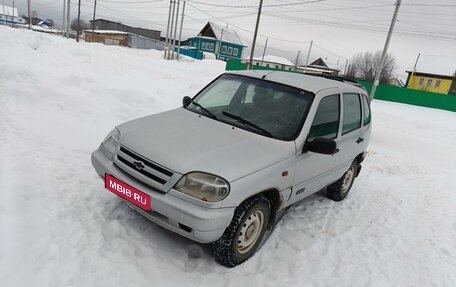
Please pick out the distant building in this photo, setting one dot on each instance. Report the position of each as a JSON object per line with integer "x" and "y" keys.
{"x": 273, "y": 62}
{"x": 8, "y": 15}
{"x": 319, "y": 67}
{"x": 223, "y": 42}
{"x": 103, "y": 24}
{"x": 125, "y": 39}
{"x": 442, "y": 84}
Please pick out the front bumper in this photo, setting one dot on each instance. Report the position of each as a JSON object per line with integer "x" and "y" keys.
{"x": 203, "y": 225}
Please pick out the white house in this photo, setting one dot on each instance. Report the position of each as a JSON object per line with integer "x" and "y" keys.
{"x": 8, "y": 15}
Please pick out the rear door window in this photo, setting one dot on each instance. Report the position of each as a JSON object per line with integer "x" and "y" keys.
{"x": 352, "y": 113}
{"x": 367, "y": 111}
{"x": 326, "y": 121}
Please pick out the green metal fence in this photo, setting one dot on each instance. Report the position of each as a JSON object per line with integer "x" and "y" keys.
{"x": 386, "y": 92}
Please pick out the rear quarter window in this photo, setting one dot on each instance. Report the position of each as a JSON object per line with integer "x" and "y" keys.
{"x": 352, "y": 113}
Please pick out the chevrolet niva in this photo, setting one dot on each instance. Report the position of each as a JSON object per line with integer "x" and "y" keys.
{"x": 225, "y": 166}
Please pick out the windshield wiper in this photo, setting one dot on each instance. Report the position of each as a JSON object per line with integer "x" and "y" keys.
{"x": 206, "y": 111}
{"x": 246, "y": 122}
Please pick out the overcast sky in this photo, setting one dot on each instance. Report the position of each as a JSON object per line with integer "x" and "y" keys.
{"x": 339, "y": 28}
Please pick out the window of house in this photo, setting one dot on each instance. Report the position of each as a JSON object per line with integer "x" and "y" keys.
{"x": 421, "y": 82}
{"x": 224, "y": 49}
{"x": 437, "y": 84}
{"x": 352, "y": 113}
{"x": 367, "y": 111}
{"x": 230, "y": 50}
{"x": 203, "y": 46}
{"x": 277, "y": 66}
{"x": 235, "y": 51}
{"x": 267, "y": 65}
{"x": 111, "y": 42}
{"x": 212, "y": 47}
{"x": 429, "y": 83}
{"x": 326, "y": 121}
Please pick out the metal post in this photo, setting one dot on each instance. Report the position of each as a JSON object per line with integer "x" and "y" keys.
{"x": 308, "y": 55}
{"x": 385, "y": 50}
{"x": 167, "y": 31}
{"x": 255, "y": 35}
{"x": 345, "y": 68}
{"x": 68, "y": 19}
{"x": 297, "y": 59}
{"x": 180, "y": 31}
{"x": 63, "y": 18}
{"x": 29, "y": 4}
{"x": 79, "y": 19}
{"x": 93, "y": 20}
{"x": 4, "y": 12}
{"x": 172, "y": 26}
{"x": 414, "y": 70}
{"x": 264, "y": 51}
{"x": 175, "y": 30}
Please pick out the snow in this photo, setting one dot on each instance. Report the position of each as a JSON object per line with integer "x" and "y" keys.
{"x": 275, "y": 59}
{"x": 59, "y": 227}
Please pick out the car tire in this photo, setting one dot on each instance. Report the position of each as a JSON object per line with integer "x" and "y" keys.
{"x": 245, "y": 233}
{"x": 339, "y": 190}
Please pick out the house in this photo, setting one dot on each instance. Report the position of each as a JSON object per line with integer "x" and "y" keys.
{"x": 8, "y": 15}
{"x": 319, "y": 67}
{"x": 435, "y": 83}
{"x": 222, "y": 41}
{"x": 106, "y": 25}
{"x": 121, "y": 38}
{"x": 274, "y": 62}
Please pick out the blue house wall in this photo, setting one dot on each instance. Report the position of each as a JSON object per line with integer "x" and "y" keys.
{"x": 227, "y": 52}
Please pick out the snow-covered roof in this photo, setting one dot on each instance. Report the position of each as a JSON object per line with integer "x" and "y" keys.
{"x": 275, "y": 59}
{"x": 224, "y": 33}
{"x": 8, "y": 11}
{"x": 107, "y": 32}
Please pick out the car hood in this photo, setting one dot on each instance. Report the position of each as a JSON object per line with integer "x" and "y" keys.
{"x": 184, "y": 141}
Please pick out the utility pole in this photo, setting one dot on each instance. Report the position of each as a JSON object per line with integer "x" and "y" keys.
{"x": 180, "y": 31}
{"x": 79, "y": 19}
{"x": 385, "y": 50}
{"x": 63, "y": 18}
{"x": 68, "y": 19}
{"x": 414, "y": 70}
{"x": 12, "y": 22}
{"x": 93, "y": 20}
{"x": 345, "y": 68}
{"x": 297, "y": 59}
{"x": 255, "y": 35}
{"x": 220, "y": 45}
{"x": 165, "y": 56}
{"x": 264, "y": 51}
{"x": 29, "y": 4}
{"x": 308, "y": 54}
{"x": 175, "y": 29}
{"x": 171, "y": 28}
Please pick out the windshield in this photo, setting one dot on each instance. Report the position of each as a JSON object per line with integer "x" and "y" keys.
{"x": 260, "y": 106}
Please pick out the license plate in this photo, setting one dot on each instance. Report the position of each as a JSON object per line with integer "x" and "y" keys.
{"x": 127, "y": 192}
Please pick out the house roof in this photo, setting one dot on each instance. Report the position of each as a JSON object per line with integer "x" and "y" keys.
{"x": 107, "y": 32}
{"x": 429, "y": 75}
{"x": 220, "y": 33}
{"x": 276, "y": 60}
{"x": 319, "y": 62}
{"x": 8, "y": 11}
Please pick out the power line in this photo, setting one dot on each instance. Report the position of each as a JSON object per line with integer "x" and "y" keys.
{"x": 254, "y": 6}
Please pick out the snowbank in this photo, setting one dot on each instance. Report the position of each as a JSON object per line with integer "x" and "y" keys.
{"x": 59, "y": 227}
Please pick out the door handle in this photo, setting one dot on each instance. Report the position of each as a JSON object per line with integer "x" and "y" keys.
{"x": 359, "y": 140}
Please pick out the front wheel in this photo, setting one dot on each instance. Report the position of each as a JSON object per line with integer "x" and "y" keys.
{"x": 244, "y": 234}
{"x": 339, "y": 190}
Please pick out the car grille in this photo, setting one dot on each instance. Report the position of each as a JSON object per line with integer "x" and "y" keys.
{"x": 143, "y": 169}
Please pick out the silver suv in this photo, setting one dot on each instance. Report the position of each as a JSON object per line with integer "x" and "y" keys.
{"x": 225, "y": 167}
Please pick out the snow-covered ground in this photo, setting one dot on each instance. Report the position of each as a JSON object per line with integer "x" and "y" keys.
{"x": 59, "y": 227}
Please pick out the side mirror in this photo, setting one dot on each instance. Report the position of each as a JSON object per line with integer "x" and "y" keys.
{"x": 321, "y": 145}
{"x": 186, "y": 100}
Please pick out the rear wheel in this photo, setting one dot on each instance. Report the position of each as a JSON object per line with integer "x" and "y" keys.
{"x": 339, "y": 190}
{"x": 244, "y": 234}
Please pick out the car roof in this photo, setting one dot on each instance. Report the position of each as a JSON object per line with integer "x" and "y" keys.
{"x": 310, "y": 83}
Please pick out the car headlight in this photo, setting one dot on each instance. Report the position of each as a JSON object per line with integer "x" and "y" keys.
{"x": 203, "y": 186}
{"x": 111, "y": 142}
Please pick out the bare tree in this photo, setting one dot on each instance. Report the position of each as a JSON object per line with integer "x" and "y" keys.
{"x": 74, "y": 25}
{"x": 364, "y": 65}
